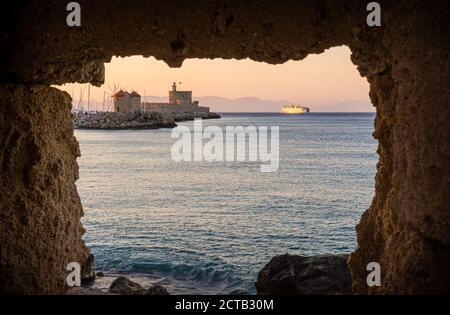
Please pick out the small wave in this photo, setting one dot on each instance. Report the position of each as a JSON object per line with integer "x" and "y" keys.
{"x": 208, "y": 278}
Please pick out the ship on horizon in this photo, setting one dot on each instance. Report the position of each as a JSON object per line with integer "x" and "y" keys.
{"x": 294, "y": 109}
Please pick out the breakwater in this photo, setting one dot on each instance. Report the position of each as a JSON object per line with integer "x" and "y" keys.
{"x": 134, "y": 120}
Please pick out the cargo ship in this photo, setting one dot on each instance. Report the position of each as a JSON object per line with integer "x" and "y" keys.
{"x": 294, "y": 109}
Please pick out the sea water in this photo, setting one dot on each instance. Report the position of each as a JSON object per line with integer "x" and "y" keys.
{"x": 209, "y": 228}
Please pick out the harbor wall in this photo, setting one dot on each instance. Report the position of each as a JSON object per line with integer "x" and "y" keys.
{"x": 172, "y": 108}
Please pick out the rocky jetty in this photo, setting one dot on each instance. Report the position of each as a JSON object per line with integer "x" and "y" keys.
{"x": 135, "y": 120}
{"x": 191, "y": 116}
{"x": 296, "y": 275}
{"x": 117, "y": 121}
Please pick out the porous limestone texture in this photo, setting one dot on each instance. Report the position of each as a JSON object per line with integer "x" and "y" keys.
{"x": 40, "y": 210}
{"x": 406, "y": 61}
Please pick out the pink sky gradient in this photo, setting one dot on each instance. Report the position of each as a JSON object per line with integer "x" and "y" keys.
{"x": 318, "y": 80}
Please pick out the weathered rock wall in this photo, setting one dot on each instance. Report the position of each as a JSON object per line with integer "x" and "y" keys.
{"x": 407, "y": 227}
{"x": 170, "y": 30}
{"x": 406, "y": 61}
{"x": 40, "y": 210}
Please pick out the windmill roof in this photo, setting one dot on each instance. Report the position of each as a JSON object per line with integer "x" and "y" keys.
{"x": 121, "y": 93}
{"x": 135, "y": 94}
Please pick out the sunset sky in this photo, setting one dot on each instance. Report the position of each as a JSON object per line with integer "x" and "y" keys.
{"x": 318, "y": 80}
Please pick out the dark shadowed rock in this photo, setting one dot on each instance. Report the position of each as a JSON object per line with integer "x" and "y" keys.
{"x": 87, "y": 270}
{"x": 125, "y": 286}
{"x": 156, "y": 289}
{"x": 296, "y": 275}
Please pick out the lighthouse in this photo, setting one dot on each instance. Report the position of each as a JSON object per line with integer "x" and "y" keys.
{"x": 180, "y": 97}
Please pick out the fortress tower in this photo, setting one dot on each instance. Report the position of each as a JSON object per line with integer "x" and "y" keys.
{"x": 180, "y": 97}
{"x": 180, "y": 102}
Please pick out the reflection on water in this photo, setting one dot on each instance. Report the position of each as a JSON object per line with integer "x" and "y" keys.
{"x": 210, "y": 227}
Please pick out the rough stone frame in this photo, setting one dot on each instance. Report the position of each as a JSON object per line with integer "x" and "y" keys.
{"x": 406, "y": 61}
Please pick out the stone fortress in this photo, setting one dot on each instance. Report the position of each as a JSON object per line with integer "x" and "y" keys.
{"x": 179, "y": 102}
{"x": 125, "y": 102}
{"x": 129, "y": 112}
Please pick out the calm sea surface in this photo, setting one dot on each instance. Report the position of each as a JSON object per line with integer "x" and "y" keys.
{"x": 206, "y": 228}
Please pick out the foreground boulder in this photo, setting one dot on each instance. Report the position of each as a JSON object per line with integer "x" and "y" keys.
{"x": 156, "y": 289}
{"x": 125, "y": 286}
{"x": 296, "y": 275}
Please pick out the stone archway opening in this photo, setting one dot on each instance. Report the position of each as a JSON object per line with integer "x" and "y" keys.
{"x": 405, "y": 62}
{"x": 128, "y": 177}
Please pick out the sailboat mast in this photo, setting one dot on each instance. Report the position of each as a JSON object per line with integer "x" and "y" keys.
{"x": 89, "y": 96}
{"x": 80, "y": 101}
{"x": 103, "y": 105}
{"x": 73, "y": 101}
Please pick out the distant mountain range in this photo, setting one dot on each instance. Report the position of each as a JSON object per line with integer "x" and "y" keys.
{"x": 254, "y": 104}
{"x": 349, "y": 106}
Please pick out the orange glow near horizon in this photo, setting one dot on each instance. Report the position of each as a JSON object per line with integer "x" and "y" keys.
{"x": 318, "y": 80}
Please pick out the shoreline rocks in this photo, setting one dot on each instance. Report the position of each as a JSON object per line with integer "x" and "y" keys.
{"x": 296, "y": 275}
{"x": 283, "y": 275}
{"x": 156, "y": 289}
{"x": 123, "y": 285}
